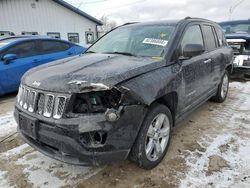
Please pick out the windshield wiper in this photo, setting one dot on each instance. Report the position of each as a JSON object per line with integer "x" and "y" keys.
{"x": 122, "y": 53}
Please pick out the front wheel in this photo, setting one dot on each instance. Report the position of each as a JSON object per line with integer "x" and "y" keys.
{"x": 222, "y": 91}
{"x": 154, "y": 137}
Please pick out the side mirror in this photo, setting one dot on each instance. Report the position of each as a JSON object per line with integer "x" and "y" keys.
{"x": 191, "y": 50}
{"x": 8, "y": 58}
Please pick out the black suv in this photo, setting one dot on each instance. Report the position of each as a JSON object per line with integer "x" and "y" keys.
{"x": 122, "y": 97}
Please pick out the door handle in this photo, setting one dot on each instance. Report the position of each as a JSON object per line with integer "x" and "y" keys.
{"x": 208, "y": 61}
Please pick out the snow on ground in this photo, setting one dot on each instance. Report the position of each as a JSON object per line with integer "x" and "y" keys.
{"x": 7, "y": 124}
{"x": 43, "y": 171}
{"x": 3, "y": 181}
{"x": 225, "y": 161}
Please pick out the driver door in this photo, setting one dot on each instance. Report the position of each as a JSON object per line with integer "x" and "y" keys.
{"x": 192, "y": 73}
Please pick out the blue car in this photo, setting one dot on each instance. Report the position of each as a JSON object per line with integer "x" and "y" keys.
{"x": 17, "y": 55}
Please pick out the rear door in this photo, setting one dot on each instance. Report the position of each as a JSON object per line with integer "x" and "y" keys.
{"x": 191, "y": 73}
{"x": 53, "y": 50}
{"x": 212, "y": 59}
{"x": 224, "y": 55}
{"x": 27, "y": 55}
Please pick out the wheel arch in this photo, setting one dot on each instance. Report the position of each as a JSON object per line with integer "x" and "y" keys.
{"x": 229, "y": 69}
{"x": 171, "y": 101}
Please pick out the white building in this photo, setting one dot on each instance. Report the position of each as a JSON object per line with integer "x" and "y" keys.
{"x": 55, "y": 18}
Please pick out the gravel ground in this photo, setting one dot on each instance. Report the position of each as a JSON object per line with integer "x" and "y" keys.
{"x": 210, "y": 148}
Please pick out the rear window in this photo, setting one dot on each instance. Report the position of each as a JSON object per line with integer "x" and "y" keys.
{"x": 209, "y": 36}
{"x": 54, "y": 46}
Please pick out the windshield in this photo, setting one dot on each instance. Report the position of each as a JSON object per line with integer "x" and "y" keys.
{"x": 149, "y": 40}
{"x": 236, "y": 28}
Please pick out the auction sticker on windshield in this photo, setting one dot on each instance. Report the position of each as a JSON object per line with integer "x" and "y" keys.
{"x": 157, "y": 42}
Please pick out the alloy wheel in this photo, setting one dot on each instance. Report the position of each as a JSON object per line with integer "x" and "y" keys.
{"x": 224, "y": 86}
{"x": 157, "y": 137}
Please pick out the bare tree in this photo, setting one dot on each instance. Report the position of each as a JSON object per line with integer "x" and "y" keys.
{"x": 107, "y": 25}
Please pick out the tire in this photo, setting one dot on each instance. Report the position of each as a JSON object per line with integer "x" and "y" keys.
{"x": 153, "y": 137}
{"x": 222, "y": 91}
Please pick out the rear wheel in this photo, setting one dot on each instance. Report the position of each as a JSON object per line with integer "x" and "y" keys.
{"x": 222, "y": 91}
{"x": 154, "y": 137}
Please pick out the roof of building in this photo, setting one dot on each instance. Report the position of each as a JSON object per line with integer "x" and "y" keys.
{"x": 78, "y": 11}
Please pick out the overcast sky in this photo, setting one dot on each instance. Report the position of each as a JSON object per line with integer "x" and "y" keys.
{"x": 146, "y": 10}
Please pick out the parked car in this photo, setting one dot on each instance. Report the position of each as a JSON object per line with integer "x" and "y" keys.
{"x": 16, "y": 36}
{"x": 238, "y": 37}
{"x": 19, "y": 54}
{"x": 122, "y": 97}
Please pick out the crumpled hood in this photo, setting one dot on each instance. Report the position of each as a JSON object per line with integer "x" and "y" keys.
{"x": 88, "y": 71}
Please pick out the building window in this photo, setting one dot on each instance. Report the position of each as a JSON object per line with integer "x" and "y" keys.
{"x": 89, "y": 35}
{"x": 54, "y": 35}
{"x": 29, "y": 33}
{"x": 73, "y": 37}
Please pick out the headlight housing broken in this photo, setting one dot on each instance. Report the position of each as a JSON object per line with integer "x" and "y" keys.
{"x": 96, "y": 101}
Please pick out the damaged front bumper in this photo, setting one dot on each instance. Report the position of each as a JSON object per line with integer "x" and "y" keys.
{"x": 242, "y": 70}
{"x": 241, "y": 66}
{"x": 85, "y": 139}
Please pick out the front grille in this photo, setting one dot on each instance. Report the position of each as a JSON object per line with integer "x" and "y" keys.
{"x": 40, "y": 103}
{"x": 59, "y": 107}
{"x": 48, "y": 108}
{"x": 46, "y": 104}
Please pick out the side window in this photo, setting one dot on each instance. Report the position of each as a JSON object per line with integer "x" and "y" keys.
{"x": 192, "y": 35}
{"x": 53, "y": 46}
{"x": 22, "y": 50}
{"x": 221, "y": 37}
{"x": 209, "y": 37}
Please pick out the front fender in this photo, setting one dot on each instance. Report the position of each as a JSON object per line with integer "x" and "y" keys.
{"x": 150, "y": 86}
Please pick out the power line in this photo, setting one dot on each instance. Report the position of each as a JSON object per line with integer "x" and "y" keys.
{"x": 233, "y": 7}
{"x": 89, "y": 2}
{"x": 124, "y": 5}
